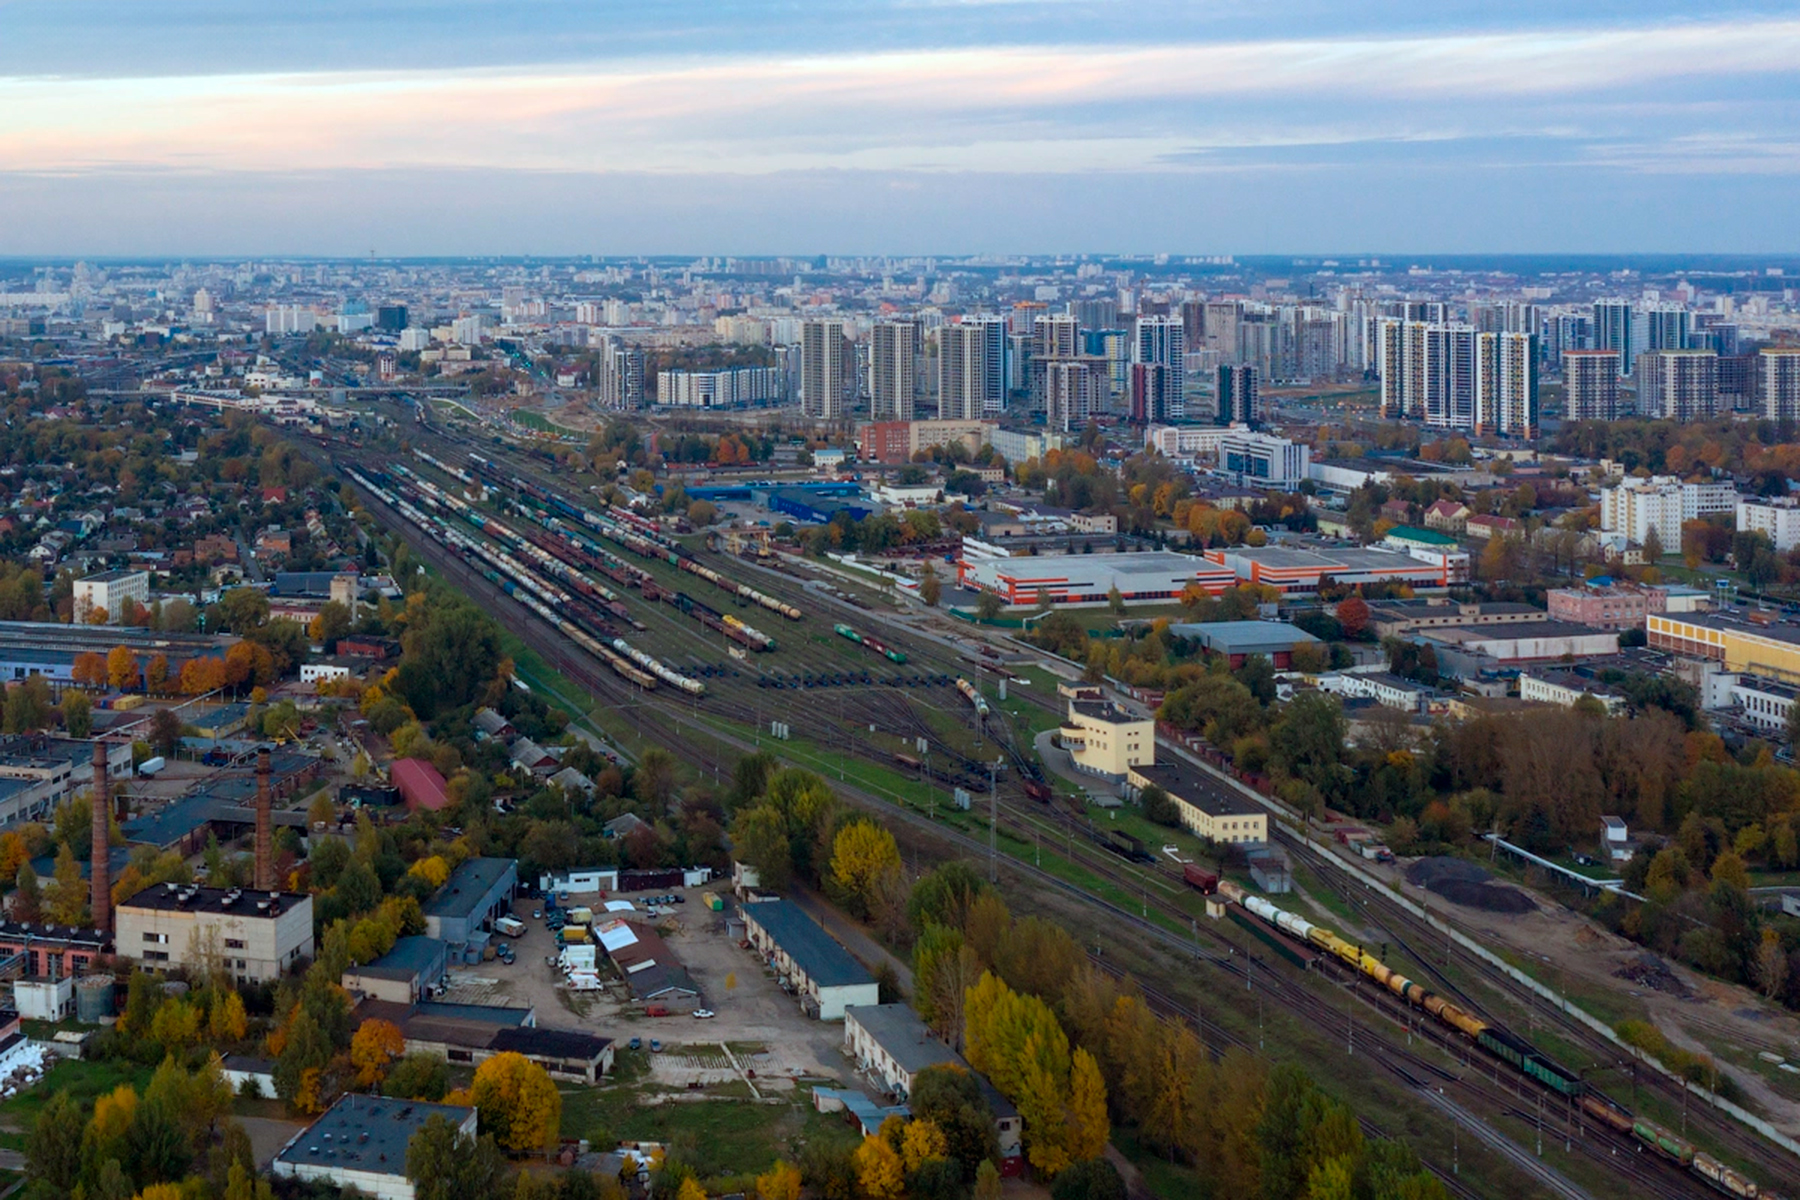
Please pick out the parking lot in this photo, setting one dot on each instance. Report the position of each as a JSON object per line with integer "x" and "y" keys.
{"x": 756, "y": 1025}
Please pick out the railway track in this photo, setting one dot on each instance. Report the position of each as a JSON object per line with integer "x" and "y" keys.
{"x": 601, "y": 684}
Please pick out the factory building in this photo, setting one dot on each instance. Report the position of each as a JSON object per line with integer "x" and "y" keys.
{"x": 1089, "y": 578}
{"x": 257, "y": 936}
{"x": 30, "y": 648}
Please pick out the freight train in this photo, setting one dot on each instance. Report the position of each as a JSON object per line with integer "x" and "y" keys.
{"x": 631, "y": 531}
{"x": 576, "y": 618}
{"x": 892, "y": 655}
{"x": 973, "y": 696}
{"x": 1504, "y": 1045}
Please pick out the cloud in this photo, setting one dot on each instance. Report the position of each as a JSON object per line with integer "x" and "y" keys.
{"x": 1062, "y": 109}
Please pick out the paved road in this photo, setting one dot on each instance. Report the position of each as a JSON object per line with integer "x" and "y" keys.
{"x": 865, "y": 948}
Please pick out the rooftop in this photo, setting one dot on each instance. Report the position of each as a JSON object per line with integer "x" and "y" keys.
{"x": 113, "y": 576}
{"x": 174, "y": 897}
{"x": 468, "y": 886}
{"x": 366, "y": 1133}
{"x": 1243, "y": 637}
{"x": 1198, "y": 789}
{"x": 550, "y": 1043}
{"x": 1425, "y": 537}
{"x": 1509, "y": 631}
{"x": 1727, "y": 623}
{"x": 898, "y": 1030}
{"x": 825, "y": 962}
{"x": 409, "y": 957}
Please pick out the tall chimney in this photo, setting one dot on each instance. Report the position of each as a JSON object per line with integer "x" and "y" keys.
{"x": 265, "y": 844}
{"x": 100, "y": 898}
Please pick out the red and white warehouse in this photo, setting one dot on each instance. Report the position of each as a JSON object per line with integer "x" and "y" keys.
{"x": 1295, "y": 571}
{"x": 1088, "y": 578}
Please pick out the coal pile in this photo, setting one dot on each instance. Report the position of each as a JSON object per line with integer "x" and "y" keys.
{"x": 1462, "y": 882}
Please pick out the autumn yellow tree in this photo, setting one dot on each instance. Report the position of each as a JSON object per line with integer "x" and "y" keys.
{"x": 227, "y": 1022}
{"x": 1088, "y": 1125}
{"x": 377, "y": 1044}
{"x": 156, "y": 675}
{"x": 113, "y": 1114}
{"x": 922, "y": 1141}
{"x": 779, "y": 1182}
{"x": 880, "y": 1175}
{"x": 861, "y": 855}
{"x": 518, "y": 1103}
{"x": 433, "y": 870}
{"x": 690, "y": 1190}
{"x": 121, "y": 667}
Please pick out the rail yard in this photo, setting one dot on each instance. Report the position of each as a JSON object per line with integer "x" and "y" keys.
{"x": 611, "y": 602}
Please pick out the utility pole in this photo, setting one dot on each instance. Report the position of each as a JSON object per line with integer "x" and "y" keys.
{"x": 993, "y": 826}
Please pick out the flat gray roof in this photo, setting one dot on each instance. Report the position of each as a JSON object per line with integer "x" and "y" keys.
{"x": 898, "y": 1030}
{"x": 366, "y": 1133}
{"x": 1243, "y": 637}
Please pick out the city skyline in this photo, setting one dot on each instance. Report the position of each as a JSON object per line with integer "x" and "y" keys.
{"x": 213, "y": 127}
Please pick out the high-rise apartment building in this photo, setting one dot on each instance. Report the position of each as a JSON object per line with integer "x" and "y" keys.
{"x": 1149, "y": 393}
{"x": 823, "y": 380}
{"x": 1678, "y": 385}
{"x": 893, "y": 350}
{"x": 1056, "y": 336}
{"x": 1238, "y": 400}
{"x": 621, "y": 382}
{"x": 1591, "y": 385}
{"x": 390, "y": 318}
{"x": 1506, "y": 394}
{"x": 1100, "y": 312}
{"x": 1612, "y": 327}
{"x": 1160, "y": 340}
{"x": 1781, "y": 384}
{"x": 1072, "y": 391}
{"x": 1566, "y": 332}
{"x": 1114, "y": 346}
{"x": 1659, "y": 327}
{"x": 1454, "y": 377}
{"x": 972, "y": 368}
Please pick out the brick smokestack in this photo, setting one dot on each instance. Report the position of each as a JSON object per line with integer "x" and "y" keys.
{"x": 100, "y": 898}
{"x": 265, "y": 818}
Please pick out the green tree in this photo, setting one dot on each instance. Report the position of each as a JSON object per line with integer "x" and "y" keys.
{"x": 931, "y": 588}
{"x": 988, "y": 605}
{"x": 1159, "y": 807}
{"x": 77, "y": 713}
{"x": 1094, "y": 1179}
{"x": 69, "y": 897}
{"x": 1309, "y": 741}
{"x": 53, "y": 1147}
{"x": 27, "y": 897}
{"x": 419, "y": 1076}
{"x": 951, "y": 1099}
{"x": 446, "y": 1165}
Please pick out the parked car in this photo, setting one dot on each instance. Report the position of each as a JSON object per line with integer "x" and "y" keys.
{"x": 655, "y": 1046}
{"x": 537, "y": 913}
{"x": 703, "y": 1014}
{"x": 637, "y": 1043}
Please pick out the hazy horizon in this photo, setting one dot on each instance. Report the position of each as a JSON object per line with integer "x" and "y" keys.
{"x": 469, "y": 127}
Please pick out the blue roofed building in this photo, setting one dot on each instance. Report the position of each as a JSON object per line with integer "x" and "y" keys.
{"x": 810, "y": 961}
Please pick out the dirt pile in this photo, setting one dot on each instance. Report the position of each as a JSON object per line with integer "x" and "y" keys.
{"x": 1462, "y": 882}
{"x": 1648, "y": 971}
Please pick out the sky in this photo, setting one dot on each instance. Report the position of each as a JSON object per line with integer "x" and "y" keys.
{"x": 421, "y": 127}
